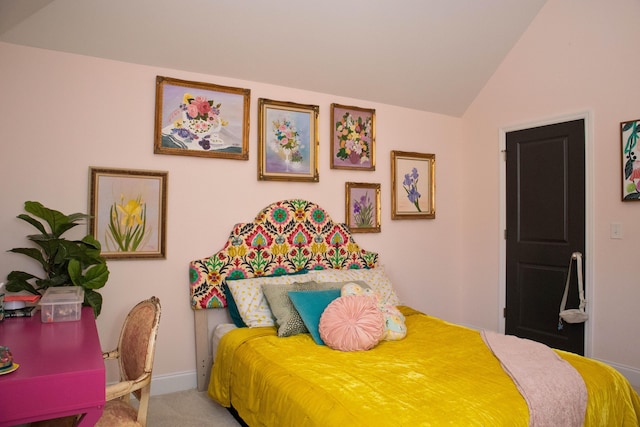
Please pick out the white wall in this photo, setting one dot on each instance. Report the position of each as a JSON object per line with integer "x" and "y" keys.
{"x": 577, "y": 56}
{"x": 63, "y": 113}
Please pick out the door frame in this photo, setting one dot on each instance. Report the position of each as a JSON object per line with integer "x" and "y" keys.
{"x": 589, "y": 214}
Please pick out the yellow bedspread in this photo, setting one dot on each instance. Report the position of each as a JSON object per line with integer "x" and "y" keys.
{"x": 440, "y": 374}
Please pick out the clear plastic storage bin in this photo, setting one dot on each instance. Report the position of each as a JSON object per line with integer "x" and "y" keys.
{"x": 61, "y": 304}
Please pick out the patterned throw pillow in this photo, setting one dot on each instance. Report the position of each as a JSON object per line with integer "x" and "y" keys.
{"x": 251, "y": 302}
{"x": 394, "y": 327}
{"x": 351, "y": 323}
{"x": 374, "y": 277}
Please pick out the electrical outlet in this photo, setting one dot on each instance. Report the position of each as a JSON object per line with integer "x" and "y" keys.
{"x": 616, "y": 230}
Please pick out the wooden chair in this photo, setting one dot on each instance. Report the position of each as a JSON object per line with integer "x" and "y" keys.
{"x": 135, "y": 352}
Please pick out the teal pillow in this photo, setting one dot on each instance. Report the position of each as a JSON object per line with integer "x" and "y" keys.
{"x": 310, "y": 305}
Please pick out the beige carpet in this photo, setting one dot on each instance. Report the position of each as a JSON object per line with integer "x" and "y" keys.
{"x": 189, "y": 408}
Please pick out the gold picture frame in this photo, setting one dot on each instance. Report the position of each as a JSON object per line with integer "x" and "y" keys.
{"x": 128, "y": 210}
{"x": 287, "y": 141}
{"x": 413, "y": 185}
{"x": 353, "y": 138}
{"x": 629, "y": 138}
{"x": 201, "y": 119}
{"x": 362, "y": 207}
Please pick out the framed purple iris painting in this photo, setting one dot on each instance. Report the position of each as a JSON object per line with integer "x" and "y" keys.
{"x": 362, "y": 207}
{"x": 413, "y": 185}
{"x": 201, "y": 119}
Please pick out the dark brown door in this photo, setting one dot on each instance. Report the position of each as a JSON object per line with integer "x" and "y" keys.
{"x": 545, "y": 218}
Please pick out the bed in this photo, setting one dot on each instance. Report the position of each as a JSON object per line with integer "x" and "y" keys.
{"x": 419, "y": 370}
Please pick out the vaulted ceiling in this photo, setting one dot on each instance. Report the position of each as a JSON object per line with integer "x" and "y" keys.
{"x": 431, "y": 55}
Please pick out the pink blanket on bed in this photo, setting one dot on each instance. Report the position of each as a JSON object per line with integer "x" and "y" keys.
{"x": 554, "y": 391}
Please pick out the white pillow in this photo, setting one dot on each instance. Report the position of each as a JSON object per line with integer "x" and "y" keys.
{"x": 374, "y": 277}
{"x": 252, "y": 304}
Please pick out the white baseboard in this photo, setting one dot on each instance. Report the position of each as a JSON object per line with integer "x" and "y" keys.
{"x": 170, "y": 383}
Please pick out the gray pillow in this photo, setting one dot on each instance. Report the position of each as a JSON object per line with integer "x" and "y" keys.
{"x": 287, "y": 318}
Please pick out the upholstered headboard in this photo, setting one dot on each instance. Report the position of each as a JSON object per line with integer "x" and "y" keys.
{"x": 284, "y": 238}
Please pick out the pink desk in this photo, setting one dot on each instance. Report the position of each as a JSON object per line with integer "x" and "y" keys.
{"x": 61, "y": 370}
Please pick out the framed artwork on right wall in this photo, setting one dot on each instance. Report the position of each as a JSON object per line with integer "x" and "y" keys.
{"x": 413, "y": 185}
{"x": 629, "y": 136}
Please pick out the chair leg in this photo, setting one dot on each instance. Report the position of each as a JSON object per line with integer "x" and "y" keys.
{"x": 144, "y": 405}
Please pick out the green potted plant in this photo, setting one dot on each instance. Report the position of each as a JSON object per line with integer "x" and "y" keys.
{"x": 65, "y": 262}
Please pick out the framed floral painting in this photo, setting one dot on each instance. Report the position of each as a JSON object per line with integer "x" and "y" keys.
{"x": 287, "y": 141}
{"x": 201, "y": 119}
{"x": 630, "y": 135}
{"x": 128, "y": 211}
{"x": 353, "y": 138}
{"x": 413, "y": 185}
{"x": 362, "y": 207}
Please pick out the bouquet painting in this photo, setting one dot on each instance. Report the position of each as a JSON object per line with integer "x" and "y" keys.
{"x": 286, "y": 142}
{"x": 353, "y": 138}
{"x": 201, "y": 119}
{"x": 198, "y": 119}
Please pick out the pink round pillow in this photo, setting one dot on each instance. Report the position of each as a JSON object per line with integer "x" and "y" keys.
{"x": 352, "y": 322}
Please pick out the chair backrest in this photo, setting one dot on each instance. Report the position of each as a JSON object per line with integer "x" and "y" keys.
{"x": 138, "y": 340}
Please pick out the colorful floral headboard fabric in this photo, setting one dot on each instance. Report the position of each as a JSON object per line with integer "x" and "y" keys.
{"x": 286, "y": 237}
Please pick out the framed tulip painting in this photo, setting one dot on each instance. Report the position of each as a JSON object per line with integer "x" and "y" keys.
{"x": 630, "y": 135}
{"x": 201, "y": 119}
{"x": 287, "y": 141}
{"x": 353, "y": 138}
{"x": 128, "y": 211}
{"x": 413, "y": 186}
{"x": 362, "y": 207}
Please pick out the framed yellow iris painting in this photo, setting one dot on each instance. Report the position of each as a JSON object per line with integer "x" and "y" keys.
{"x": 128, "y": 211}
